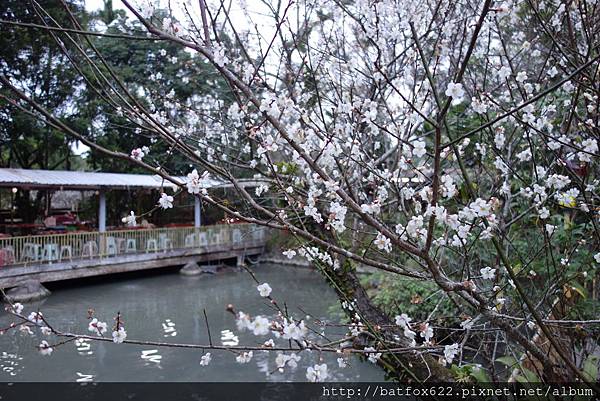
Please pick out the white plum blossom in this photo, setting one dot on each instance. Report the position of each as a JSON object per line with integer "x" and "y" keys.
{"x": 165, "y": 201}
{"x": 196, "y": 183}
{"x": 456, "y": 92}
{"x": 290, "y": 253}
{"x": 294, "y": 331}
{"x": 480, "y": 207}
{"x": 219, "y": 56}
{"x": 448, "y": 187}
{"x": 342, "y": 363}
{"x": 138, "y": 153}
{"x": 260, "y": 326}
{"x": 372, "y": 354}
{"x": 419, "y": 149}
{"x": 402, "y": 320}
{"x": 597, "y": 257}
{"x": 504, "y": 73}
{"x": 544, "y": 213}
{"x": 205, "y": 359}
{"x": 487, "y": 273}
{"x": 589, "y": 146}
{"x": 317, "y": 373}
{"x": 479, "y": 106}
{"x": 36, "y": 317}
{"x": 499, "y": 137}
{"x": 450, "y": 351}
{"x": 45, "y": 348}
{"x": 467, "y": 324}
{"x": 337, "y": 215}
{"x": 521, "y": 77}
{"x": 264, "y": 290}
{"x": 97, "y": 327}
{"x": 426, "y": 332}
{"x": 261, "y": 189}
{"x": 119, "y": 335}
{"x": 46, "y": 330}
{"x": 382, "y": 242}
{"x": 524, "y": 155}
{"x": 17, "y": 308}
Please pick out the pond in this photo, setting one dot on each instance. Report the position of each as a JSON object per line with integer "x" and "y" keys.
{"x": 169, "y": 307}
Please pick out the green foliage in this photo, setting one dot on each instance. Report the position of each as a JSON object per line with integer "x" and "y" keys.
{"x": 158, "y": 74}
{"x": 469, "y": 373}
{"x": 416, "y": 298}
{"x": 32, "y": 58}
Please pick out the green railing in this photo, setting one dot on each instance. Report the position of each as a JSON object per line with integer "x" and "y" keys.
{"x": 63, "y": 247}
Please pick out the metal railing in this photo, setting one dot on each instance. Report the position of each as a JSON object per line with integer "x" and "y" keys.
{"x": 68, "y": 246}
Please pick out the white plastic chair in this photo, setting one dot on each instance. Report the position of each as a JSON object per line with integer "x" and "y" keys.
{"x": 31, "y": 252}
{"x": 190, "y": 240}
{"x": 203, "y": 239}
{"x": 66, "y": 251}
{"x": 111, "y": 246}
{"x": 151, "y": 245}
{"x": 90, "y": 249}
{"x": 131, "y": 245}
{"x": 50, "y": 252}
{"x": 165, "y": 242}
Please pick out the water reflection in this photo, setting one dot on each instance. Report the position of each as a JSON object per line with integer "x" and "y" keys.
{"x": 160, "y": 307}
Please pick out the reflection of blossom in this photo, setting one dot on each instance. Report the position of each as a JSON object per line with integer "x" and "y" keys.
{"x": 244, "y": 357}
{"x": 205, "y": 360}
{"x": 290, "y": 360}
{"x": 317, "y": 373}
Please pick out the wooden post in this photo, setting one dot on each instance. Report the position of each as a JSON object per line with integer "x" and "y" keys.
{"x": 197, "y": 212}
{"x": 102, "y": 212}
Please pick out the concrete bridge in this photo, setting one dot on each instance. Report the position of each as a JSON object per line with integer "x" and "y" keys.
{"x": 27, "y": 262}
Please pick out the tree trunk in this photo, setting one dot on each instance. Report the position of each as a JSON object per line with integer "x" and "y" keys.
{"x": 409, "y": 366}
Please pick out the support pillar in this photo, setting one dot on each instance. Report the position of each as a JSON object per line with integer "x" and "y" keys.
{"x": 102, "y": 212}
{"x": 197, "y": 212}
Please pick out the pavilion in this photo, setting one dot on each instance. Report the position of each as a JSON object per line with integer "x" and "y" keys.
{"x": 83, "y": 253}
{"x": 60, "y": 180}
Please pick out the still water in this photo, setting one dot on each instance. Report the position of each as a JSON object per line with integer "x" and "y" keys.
{"x": 168, "y": 307}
